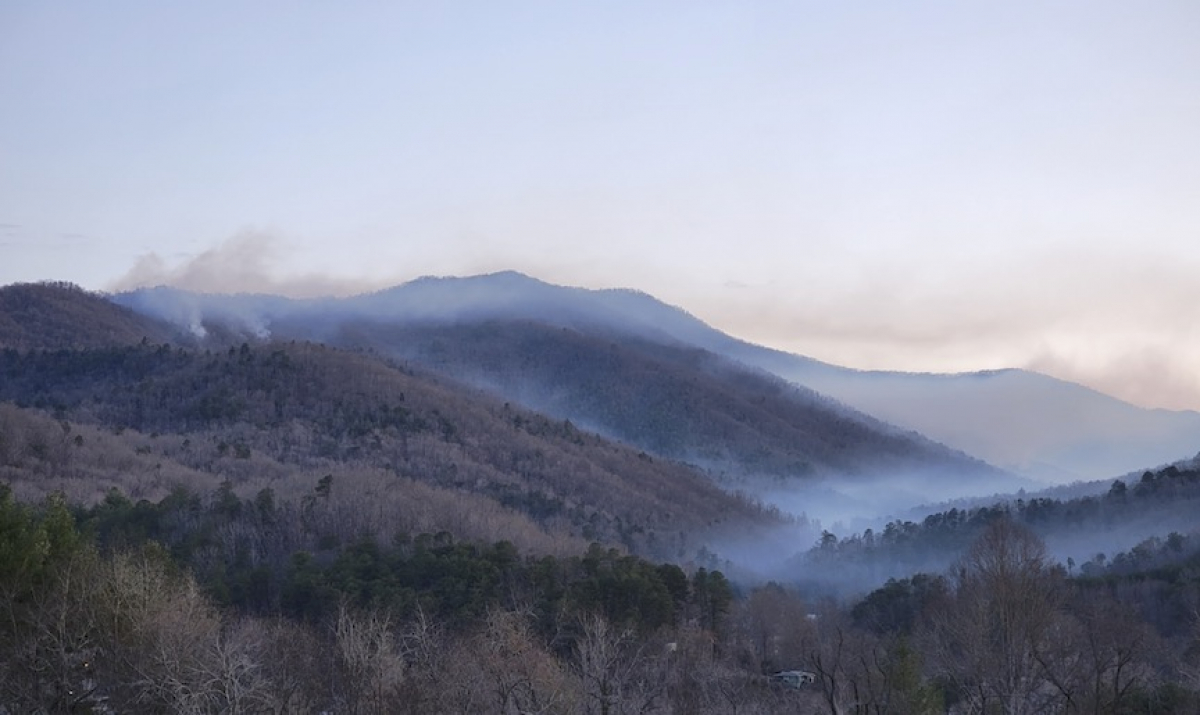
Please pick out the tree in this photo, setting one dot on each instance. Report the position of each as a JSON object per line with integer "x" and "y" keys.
{"x": 1112, "y": 649}
{"x": 518, "y": 673}
{"x": 48, "y": 627}
{"x": 991, "y": 639}
{"x": 618, "y": 672}
{"x": 772, "y": 623}
{"x": 370, "y": 664}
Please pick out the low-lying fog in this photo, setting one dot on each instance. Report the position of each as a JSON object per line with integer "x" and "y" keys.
{"x": 835, "y": 519}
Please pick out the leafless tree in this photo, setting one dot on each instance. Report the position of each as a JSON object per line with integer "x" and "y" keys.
{"x": 993, "y": 635}
{"x": 518, "y": 672}
{"x": 369, "y": 660}
{"x": 619, "y": 672}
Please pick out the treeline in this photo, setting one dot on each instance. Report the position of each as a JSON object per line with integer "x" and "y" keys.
{"x": 56, "y": 314}
{"x": 1008, "y": 630}
{"x": 1158, "y": 503}
{"x": 247, "y": 555}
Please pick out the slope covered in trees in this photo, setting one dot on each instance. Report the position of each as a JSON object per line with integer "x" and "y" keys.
{"x": 289, "y": 527}
{"x": 1159, "y": 505}
{"x": 609, "y": 360}
{"x": 62, "y": 315}
{"x": 97, "y": 616}
{"x": 122, "y": 606}
{"x": 253, "y": 411}
{"x": 671, "y": 400}
{"x": 1023, "y": 421}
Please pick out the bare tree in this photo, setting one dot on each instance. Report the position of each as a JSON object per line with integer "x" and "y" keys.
{"x": 521, "y": 675}
{"x": 993, "y": 635}
{"x": 295, "y": 664}
{"x": 619, "y": 673}
{"x": 1190, "y": 670}
{"x": 371, "y": 665}
{"x": 168, "y": 647}
{"x": 772, "y": 624}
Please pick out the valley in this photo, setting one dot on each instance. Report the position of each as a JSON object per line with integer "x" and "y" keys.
{"x": 495, "y": 495}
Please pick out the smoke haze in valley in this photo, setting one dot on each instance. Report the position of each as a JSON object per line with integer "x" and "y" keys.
{"x": 1079, "y": 325}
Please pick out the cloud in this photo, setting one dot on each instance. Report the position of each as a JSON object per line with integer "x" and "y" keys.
{"x": 1148, "y": 376}
{"x": 1128, "y": 325}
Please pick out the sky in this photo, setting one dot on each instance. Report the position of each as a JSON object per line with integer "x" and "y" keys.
{"x": 929, "y": 186}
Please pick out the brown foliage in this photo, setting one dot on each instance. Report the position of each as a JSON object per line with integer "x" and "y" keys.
{"x": 53, "y": 316}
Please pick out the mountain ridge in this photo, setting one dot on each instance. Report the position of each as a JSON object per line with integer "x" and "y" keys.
{"x": 579, "y": 355}
{"x": 1055, "y": 450}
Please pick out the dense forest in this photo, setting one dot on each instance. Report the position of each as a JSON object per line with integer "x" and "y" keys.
{"x": 249, "y": 526}
{"x": 262, "y": 414}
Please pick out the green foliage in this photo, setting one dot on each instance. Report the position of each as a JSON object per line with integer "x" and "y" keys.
{"x": 625, "y": 589}
{"x": 457, "y": 582}
{"x": 912, "y": 693}
{"x": 46, "y": 577}
{"x": 896, "y": 606}
{"x": 24, "y": 547}
{"x": 712, "y": 595}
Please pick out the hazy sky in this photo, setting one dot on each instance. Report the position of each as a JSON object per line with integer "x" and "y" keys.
{"x": 910, "y": 185}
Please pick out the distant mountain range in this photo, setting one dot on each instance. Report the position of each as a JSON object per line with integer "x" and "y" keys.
{"x": 1022, "y": 421}
{"x": 406, "y": 450}
{"x": 618, "y": 363}
{"x": 504, "y": 407}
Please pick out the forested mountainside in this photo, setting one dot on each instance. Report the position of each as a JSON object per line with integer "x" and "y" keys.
{"x": 61, "y": 315}
{"x": 247, "y": 411}
{"x": 292, "y": 527}
{"x": 1050, "y": 429}
{"x": 672, "y": 400}
{"x": 601, "y": 361}
{"x": 1161, "y": 506}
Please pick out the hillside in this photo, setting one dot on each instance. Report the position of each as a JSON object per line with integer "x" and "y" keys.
{"x": 55, "y": 316}
{"x": 1159, "y": 504}
{"x": 286, "y": 525}
{"x": 1022, "y": 421}
{"x": 317, "y": 408}
{"x": 1047, "y": 428}
{"x": 601, "y": 360}
{"x": 747, "y": 428}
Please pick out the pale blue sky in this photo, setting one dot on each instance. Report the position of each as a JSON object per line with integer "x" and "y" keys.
{"x": 912, "y": 185}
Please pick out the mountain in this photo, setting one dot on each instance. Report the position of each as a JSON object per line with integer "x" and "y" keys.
{"x": 615, "y": 362}
{"x": 410, "y": 451}
{"x": 506, "y": 295}
{"x": 1050, "y": 429}
{"x": 745, "y": 426}
{"x": 54, "y": 316}
{"x": 298, "y": 526}
{"x": 263, "y": 415}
